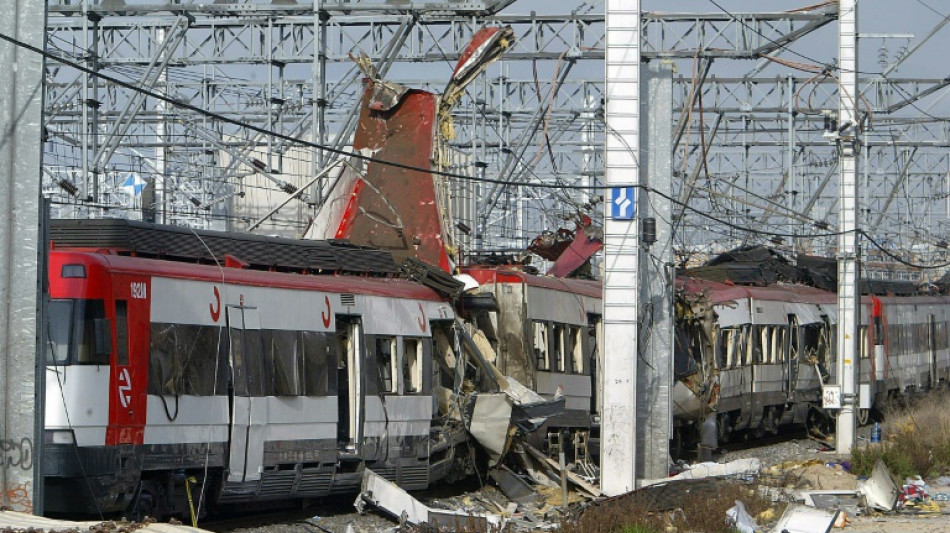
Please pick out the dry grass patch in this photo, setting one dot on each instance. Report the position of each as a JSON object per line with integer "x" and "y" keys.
{"x": 916, "y": 439}
{"x": 698, "y": 507}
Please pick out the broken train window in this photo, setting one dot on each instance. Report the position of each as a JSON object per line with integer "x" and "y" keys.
{"x": 540, "y": 337}
{"x": 385, "y": 363}
{"x": 412, "y": 365}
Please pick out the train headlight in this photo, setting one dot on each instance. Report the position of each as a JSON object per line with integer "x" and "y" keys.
{"x": 59, "y": 437}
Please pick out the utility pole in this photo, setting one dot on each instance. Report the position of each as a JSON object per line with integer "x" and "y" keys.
{"x": 848, "y": 294}
{"x": 21, "y": 125}
{"x": 655, "y": 350}
{"x": 621, "y": 247}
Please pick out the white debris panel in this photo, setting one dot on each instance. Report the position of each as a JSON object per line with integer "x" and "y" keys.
{"x": 390, "y": 498}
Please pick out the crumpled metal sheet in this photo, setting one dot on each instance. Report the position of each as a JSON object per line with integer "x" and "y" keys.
{"x": 490, "y": 421}
{"x": 580, "y": 250}
{"x": 389, "y": 497}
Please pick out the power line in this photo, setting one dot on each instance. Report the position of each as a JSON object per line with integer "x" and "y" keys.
{"x": 782, "y": 46}
{"x": 177, "y": 103}
{"x": 264, "y": 131}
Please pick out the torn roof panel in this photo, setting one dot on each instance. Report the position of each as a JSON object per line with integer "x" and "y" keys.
{"x": 580, "y": 250}
{"x": 393, "y": 207}
{"x": 486, "y": 275}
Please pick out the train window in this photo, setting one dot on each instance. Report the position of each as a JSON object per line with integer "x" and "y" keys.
{"x": 385, "y": 363}
{"x": 760, "y": 344}
{"x": 732, "y": 346}
{"x": 197, "y": 348}
{"x": 745, "y": 344}
{"x": 575, "y": 350}
{"x": 723, "y": 347}
{"x": 793, "y": 338}
{"x": 58, "y": 331}
{"x": 281, "y": 354}
{"x": 412, "y": 365}
{"x": 863, "y": 341}
{"x": 778, "y": 344}
{"x": 122, "y": 332}
{"x": 557, "y": 347}
{"x": 182, "y": 359}
{"x": 259, "y": 376}
{"x": 89, "y": 315}
{"x": 318, "y": 353}
{"x": 540, "y": 334}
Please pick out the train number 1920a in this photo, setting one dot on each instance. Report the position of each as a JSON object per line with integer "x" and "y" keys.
{"x": 138, "y": 290}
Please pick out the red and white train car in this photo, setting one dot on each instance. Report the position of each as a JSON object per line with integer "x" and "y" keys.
{"x": 758, "y": 356}
{"x": 545, "y": 333}
{"x": 252, "y": 385}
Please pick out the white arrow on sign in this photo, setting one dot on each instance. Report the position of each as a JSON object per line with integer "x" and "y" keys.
{"x": 623, "y": 203}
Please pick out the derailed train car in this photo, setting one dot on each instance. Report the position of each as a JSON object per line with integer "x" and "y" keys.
{"x": 748, "y": 357}
{"x": 545, "y": 333}
{"x": 238, "y": 384}
{"x": 755, "y": 357}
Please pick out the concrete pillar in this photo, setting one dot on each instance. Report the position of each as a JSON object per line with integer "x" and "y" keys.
{"x": 21, "y": 105}
{"x": 848, "y": 296}
{"x": 655, "y": 361}
{"x": 621, "y": 246}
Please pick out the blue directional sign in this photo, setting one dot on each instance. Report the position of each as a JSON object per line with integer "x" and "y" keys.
{"x": 623, "y": 203}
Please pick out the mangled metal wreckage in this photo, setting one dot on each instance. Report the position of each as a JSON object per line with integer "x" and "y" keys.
{"x": 383, "y": 197}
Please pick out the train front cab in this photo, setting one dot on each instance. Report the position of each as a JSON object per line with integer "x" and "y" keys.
{"x": 87, "y": 436}
{"x": 246, "y": 392}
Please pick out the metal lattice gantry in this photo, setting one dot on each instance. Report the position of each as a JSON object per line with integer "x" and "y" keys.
{"x": 749, "y": 116}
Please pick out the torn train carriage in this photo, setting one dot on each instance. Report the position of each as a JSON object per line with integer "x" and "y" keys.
{"x": 756, "y": 357}
{"x": 388, "y": 202}
{"x": 256, "y": 380}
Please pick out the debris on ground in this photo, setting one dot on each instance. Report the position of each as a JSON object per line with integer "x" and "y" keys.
{"x": 738, "y": 468}
{"x": 879, "y": 490}
{"x": 812, "y": 474}
{"x": 802, "y": 519}
{"x": 16, "y": 521}
{"x": 740, "y": 519}
{"x": 392, "y": 499}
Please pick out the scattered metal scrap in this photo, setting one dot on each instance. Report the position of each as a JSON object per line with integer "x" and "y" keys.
{"x": 395, "y": 501}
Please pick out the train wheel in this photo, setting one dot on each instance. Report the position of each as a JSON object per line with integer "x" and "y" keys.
{"x": 150, "y": 501}
{"x": 818, "y": 423}
{"x": 775, "y": 419}
{"x": 724, "y": 429}
{"x": 863, "y": 416}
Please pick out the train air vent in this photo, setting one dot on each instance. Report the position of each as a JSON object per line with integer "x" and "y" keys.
{"x": 348, "y": 300}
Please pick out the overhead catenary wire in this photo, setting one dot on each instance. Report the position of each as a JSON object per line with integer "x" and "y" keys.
{"x": 242, "y": 124}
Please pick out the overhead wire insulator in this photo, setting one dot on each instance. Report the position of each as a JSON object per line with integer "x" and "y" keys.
{"x": 68, "y": 186}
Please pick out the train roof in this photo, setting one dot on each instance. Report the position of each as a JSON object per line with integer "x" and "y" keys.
{"x": 718, "y": 292}
{"x": 175, "y": 243}
{"x": 490, "y": 274}
{"x": 120, "y": 264}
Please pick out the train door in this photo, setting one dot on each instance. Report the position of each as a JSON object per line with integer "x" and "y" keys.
{"x": 593, "y": 359}
{"x": 246, "y": 453}
{"x": 794, "y": 347}
{"x": 129, "y": 360}
{"x": 349, "y": 390}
